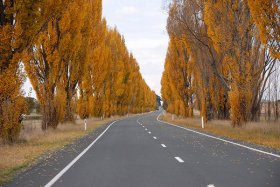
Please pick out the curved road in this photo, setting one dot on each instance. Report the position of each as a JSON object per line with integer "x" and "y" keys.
{"x": 142, "y": 151}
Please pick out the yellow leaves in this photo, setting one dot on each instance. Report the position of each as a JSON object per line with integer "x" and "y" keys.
{"x": 176, "y": 84}
{"x": 266, "y": 14}
{"x": 119, "y": 92}
{"x": 232, "y": 39}
{"x": 12, "y": 103}
{"x": 64, "y": 23}
{"x": 223, "y": 57}
{"x": 117, "y": 85}
{"x": 67, "y": 46}
{"x": 239, "y": 99}
{"x": 21, "y": 23}
{"x": 5, "y": 45}
{"x": 52, "y": 36}
{"x": 12, "y": 109}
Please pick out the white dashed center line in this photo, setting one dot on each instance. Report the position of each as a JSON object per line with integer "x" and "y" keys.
{"x": 146, "y": 129}
{"x": 155, "y": 137}
{"x": 210, "y": 185}
{"x": 179, "y": 159}
{"x": 149, "y": 132}
{"x": 163, "y": 145}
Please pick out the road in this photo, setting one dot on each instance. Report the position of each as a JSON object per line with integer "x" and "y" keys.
{"x": 142, "y": 151}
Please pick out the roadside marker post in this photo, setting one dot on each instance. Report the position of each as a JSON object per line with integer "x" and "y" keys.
{"x": 202, "y": 122}
{"x": 85, "y": 122}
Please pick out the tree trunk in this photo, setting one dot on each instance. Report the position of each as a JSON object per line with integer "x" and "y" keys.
{"x": 209, "y": 108}
{"x": 69, "y": 116}
{"x": 269, "y": 111}
{"x": 255, "y": 113}
{"x": 50, "y": 116}
{"x": 223, "y": 111}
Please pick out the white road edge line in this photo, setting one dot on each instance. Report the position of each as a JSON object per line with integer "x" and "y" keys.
{"x": 163, "y": 145}
{"x": 179, "y": 159}
{"x": 76, "y": 159}
{"x": 227, "y": 141}
{"x": 155, "y": 137}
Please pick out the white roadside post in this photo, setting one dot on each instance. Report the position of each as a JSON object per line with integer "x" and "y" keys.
{"x": 85, "y": 122}
{"x": 202, "y": 122}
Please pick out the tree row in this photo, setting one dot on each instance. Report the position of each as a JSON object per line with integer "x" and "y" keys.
{"x": 220, "y": 57}
{"x": 74, "y": 61}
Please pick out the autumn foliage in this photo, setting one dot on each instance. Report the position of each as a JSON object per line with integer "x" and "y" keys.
{"x": 80, "y": 66}
{"x": 112, "y": 84}
{"x": 16, "y": 30}
{"x": 75, "y": 62}
{"x": 220, "y": 56}
{"x": 178, "y": 80}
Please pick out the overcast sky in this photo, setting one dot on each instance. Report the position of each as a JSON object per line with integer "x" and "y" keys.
{"x": 142, "y": 23}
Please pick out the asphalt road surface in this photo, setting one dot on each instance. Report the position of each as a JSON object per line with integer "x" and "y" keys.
{"x": 142, "y": 151}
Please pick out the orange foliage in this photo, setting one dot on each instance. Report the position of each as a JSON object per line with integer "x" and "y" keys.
{"x": 177, "y": 90}
{"x": 226, "y": 65}
{"x": 266, "y": 15}
{"x": 115, "y": 85}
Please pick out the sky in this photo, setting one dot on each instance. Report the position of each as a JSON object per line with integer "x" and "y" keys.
{"x": 143, "y": 25}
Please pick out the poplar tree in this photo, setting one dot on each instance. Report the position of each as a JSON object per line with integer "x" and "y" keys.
{"x": 232, "y": 46}
{"x": 20, "y": 23}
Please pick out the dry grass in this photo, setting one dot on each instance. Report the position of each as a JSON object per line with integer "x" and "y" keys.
{"x": 261, "y": 133}
{"x": 33, "y": 143}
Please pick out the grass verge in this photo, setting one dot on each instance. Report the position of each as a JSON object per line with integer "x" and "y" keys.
{"x": 33, "y": 143}
{"x": 260, "y": 133}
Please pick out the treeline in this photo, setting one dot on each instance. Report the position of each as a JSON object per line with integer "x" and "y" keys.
{"x": 220, "y": 57}
{"x": 76, "y": 64}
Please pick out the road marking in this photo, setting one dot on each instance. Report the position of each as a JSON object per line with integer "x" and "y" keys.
{"x": 214, "y": 137}
{"x": 141, "y": 118}
{"x": 146, "y": 129}
{"x": 155, "y": 137}
{"x": 76, "y": 159}
{"x": 163, "y": 145}
{"x": 149, "y": 132}
{"x": 179, "y": 159}
{"x": 210, "y": 185}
